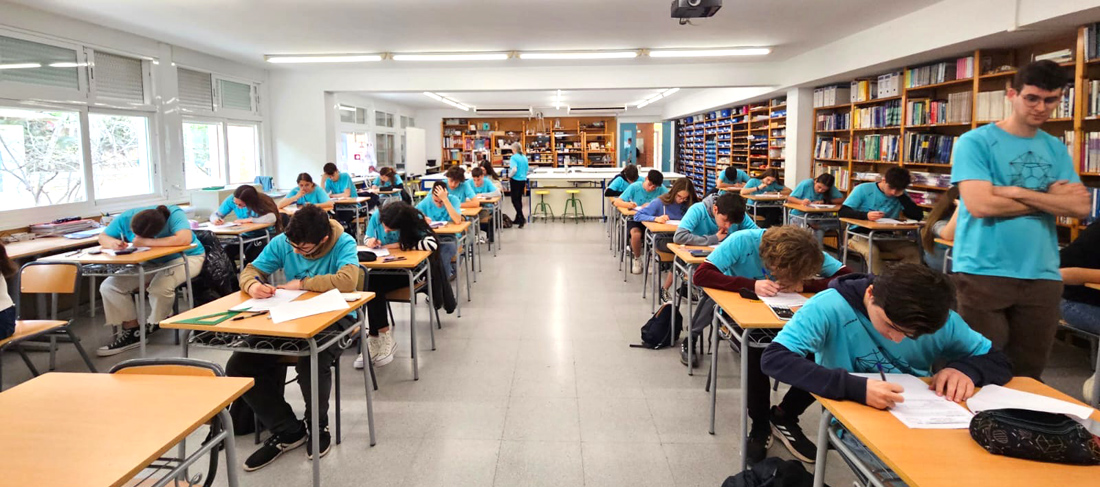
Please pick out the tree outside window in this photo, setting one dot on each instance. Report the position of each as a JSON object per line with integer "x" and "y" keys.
{"x": 120, "y": 155}
{"x": 41, "y": 159}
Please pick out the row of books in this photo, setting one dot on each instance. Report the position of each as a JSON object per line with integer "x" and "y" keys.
{"x": 1065, "y": 107}
{"x": 929, "y": 148}
{"x": 834, "y": 121}
{"x": 831, "y": 148}
{"x": 1090, "y": 160}
{"x": 936, "y": 179}
{"x": 941, "y": 72}
{"x": 831, "y": 95}
{"x": 1092, "y": 109}
{"x": 921, "y": 197}
{"x": 1092, "y": 41}
{"x": 840, "y": 174}
{"x": 992, "y": 106}
{"x": 887, "y": 114}
{"x": 876, "y": 147}
{"x": 955, "y": 109}
{"x": 864, "y": 90}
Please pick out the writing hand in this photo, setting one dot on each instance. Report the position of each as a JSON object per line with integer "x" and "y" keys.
{"x": 953, "y": 385}
{"x": 875, "y": 215}
{"x": 295, "y": 285}
{"x": 766, "y": 288}
{"x": 117, "y": 245}
{"x": 372, "y": 243}
{"x": 217, "y": 221}
{"x": 661, "y": 219}
{"x": 260, "y": 290}
{"x": 883, "y": 395}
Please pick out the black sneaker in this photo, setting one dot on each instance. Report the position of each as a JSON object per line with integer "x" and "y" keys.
{"x": 760, "y": 439}
{"x": 790, "y": 434}
{"x": 275, "y": 446}
{"x": 326, "y": 443}
{"x": 126, "y": 339}
{"x": 684, "y": 355}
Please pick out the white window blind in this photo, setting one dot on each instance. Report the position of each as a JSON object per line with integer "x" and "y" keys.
{"x": 119, "y": 78}
{"x": 38, "y": 64}
{"x": 233, "y": 95}
{"x": 196, "y": 91}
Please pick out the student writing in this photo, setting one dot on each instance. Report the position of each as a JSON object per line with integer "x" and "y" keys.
{"x": 768, "y": 183}
{"x": 731, "y": 179}
{"x": 669, "y": 206}
{"x": 248, "y": 206}
{"x": 941, "y": 224}
{"x": 337, "y": 184}
{"x": 636, "y": 197}
{"x": 484, "y": 188}
{"x": 621, "y": 181}
{"x": 387, "y": 179}
{"x": 710, "y": 221}
{"x": 307, "y": 193}
{"x": 442, "y": 207}
{"x": 883, "y": 199}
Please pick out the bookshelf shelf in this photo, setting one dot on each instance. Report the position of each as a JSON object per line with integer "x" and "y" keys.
{"x": 930, "y": 188}
{"x": 926, "y": 164}
{"x": 999, "y": 74}
{"x": 876, "y": 100}
{"x": 940, "y": 85}
{"x": 868, "y": 161}
{"x": 845, "y": 161}
{"x": 938, "y": 125}
{"x": 834, "y": 107}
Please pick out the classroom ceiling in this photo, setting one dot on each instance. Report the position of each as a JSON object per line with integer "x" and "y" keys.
{"x": 541, "y": 99}
{"x": 246, "y": 30}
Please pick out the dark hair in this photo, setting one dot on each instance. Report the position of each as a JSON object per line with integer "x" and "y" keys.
{"x": 259, "y": 203}
{"x": 149, "y": 223}
{"x": 489, "y": 171}
{"x": 682, "y": 184}
{"x": 731, "y": 206}
{"x": 791, "y": 253}
{"x": 730, "y": 173}
{"x": 387, "y": 172}
{"x": 654, "y": 176}
{"x": 309, "y": 225}
{"x": 945, "y": 207}
{"x": 439, "y": 183}
{"x": 897, "y": 177}
{"x": 456, "y": 173}
{"x": 770, "y": 173}
{"x": 1045, "y": 75}
{"x": 477, "y": 172}
{"x": 826, "y": 179}
{"x": 304, "y": 177}
{"x": 7, "y": 266}
{"x": 330, "y": 169}
{"x": 407, "y": 221}
{"x": 629, "y": 173}
{"x": 916, "y": 298}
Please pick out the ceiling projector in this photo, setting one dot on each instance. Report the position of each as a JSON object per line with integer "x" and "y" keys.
{"x": 695, "y": 9}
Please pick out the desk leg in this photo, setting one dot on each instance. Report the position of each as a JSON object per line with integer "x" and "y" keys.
{"x": 675, "y": 306}
{"x": 431, "y": 310}
{"x": 141, "y": 318}
{"x": 646, "y": 239}
{"x": 367, "y": 383}
{"x": 690, "y": 315}
{"x": 412, "y": 322}
{"x": 822, "y": 448}
{"x": 230, "y": 448}
{"x": 187, "y": 276}
{"x": 91, "y": 296}
{"x": 844, "y": 244}
{"x": 712, "y": 381}
{"x": 314, "y": 414}
{"x": 744, "y": 397}
{"x": 240, "y": 248}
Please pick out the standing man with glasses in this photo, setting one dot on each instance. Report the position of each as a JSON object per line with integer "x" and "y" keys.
{"x": 1014, "y": 179}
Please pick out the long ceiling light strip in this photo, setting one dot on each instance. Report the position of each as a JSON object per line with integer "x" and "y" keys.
{"x": 532, "y": 55}
{"x": 473, "y": 56}
{"x": 696, "y": 53}
{"x": 347, "y": 58}
{"x": 446, "y": 100}
{"x": 578, "y": 55}
{"x": 658, "y": 96}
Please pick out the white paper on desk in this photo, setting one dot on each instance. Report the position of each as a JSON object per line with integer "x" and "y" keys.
{"x": 922, "y": 408}
{"x": 218, "y": 227}
{"x": 673, "y": 222}
{"x": 820, "y": 205}
{"x": 784, "y": 300}
{"x": 889, "y": 221}
{"x": 329, "y": 301}
{"x": 380, "y": 251}
{"x": 996, "y": 397}
{"x": 282, "y": 296}
{"x": 113, "y": 252}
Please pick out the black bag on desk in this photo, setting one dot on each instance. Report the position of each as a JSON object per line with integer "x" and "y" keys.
{"x": 655, "y": 332}
{"x": 1035, "y": 435}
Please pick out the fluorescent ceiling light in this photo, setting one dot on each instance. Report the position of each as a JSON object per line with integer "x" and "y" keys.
{"x": 349, "y": 58}
{"x": 580, "y": 55}
{"x": 477, "y": 56}
{"x": 67, "y": 65}
{"x": 447, "y": 101}
{"x": 20, "y": 66}
{"x": 658, "y": 96}
{"x": 346, "y": 108}
{"x": 744, "y": 51}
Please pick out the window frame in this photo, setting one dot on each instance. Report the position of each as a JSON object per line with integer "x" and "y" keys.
{"x": 10, "y": 90}
{"x": 154, "y": 161}
{"x": 224, "y": 124}
{"x": 107, "y": 103}
{"x": 258, "y": 126}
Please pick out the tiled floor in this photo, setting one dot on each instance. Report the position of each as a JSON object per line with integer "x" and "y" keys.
{"x": 534, "y": 385}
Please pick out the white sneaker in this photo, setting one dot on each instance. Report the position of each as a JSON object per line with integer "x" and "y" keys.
{"x": 359, "y": 363}
{"x": 387, "y": 348}
{"x": 374, "y": 346}
{"x": 637, "y": 267}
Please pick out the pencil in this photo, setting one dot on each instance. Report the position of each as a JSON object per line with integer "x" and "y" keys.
{"x": 880, "y": 372}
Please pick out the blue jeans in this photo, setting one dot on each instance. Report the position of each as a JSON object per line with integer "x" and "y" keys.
{"x": 1082, "y": 316}
{"x": 7, "y": 322}
{"x": 447, "y": 251}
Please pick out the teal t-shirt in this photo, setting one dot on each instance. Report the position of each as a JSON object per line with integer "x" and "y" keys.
{"x": 739, "y": 256}
{"x": 340, "y": 185}
{"x": 636, "y": 193}
{"x": 841, "y": 337}
{"x": 1021, "y": 247}
{"x": 280, "y": 255}
{"x": 315, "y": 197}
{"x": 464, "y": 192}
{"x": 382, "y": 185}
{"x": 618, "y": 184}
{"x": 741, "y": 178}
{"x": 774, "y": 187}
{"x": 487, "y": 186}
{"x": 177, "y": 220}
{"x": 868, "y": 197}
{"x": 517, "y": 167}
{"x": 437, "y": 213}
{"x": 375, "y": 230}
{"x": 229, "y": 206}
{"x": 805, "y": 190}
{"x": 698, "y": 221}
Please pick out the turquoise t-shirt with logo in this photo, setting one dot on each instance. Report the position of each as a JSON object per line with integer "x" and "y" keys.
{"x": 636, "y": 193}
{"x": 774, "y": 187}
{"x": 314, "y": 197}
{"x": 177, "y": 220}
{"x": 229, "y": 206}
{"x": 868, "y": 197}
{"x": 376, "y": 231}
{"x": 805, "y": 191}
{"x": 739, "y": 256}
{"x": 741, "y": 178}
{"x": 341, "y": 184}
{"x": 437, "y": 213}
{"x": 517, "y": 167}
{"x": 464, "y": 192}
{"x": 698, "y": 221}
{"x": 840, "y": 337}
{"x": 1020, "y": 247}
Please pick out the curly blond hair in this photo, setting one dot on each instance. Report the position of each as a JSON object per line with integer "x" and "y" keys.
{"x": 791, "y": 254}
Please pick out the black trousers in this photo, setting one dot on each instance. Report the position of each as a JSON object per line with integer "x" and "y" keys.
{"x": 377, "y": 316}
{"x": 266, "y": 396}
{"x": 251, "y": 250}
{"x": 518, "y": 189}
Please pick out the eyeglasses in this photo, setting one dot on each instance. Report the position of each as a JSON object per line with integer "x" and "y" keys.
{"x": 302, "y": 248}
{"x": 908, "y": 334}
{"x": 1032, "y": 100}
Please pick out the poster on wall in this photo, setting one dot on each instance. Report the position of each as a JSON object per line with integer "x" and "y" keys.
{"x": 358, "y": 155}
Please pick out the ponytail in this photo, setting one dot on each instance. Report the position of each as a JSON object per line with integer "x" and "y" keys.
{"x": 407, "y": 221}
{"x": 149, "y": 223}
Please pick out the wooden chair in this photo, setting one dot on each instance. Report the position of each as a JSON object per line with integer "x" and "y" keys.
{"x": 55, "y": 279}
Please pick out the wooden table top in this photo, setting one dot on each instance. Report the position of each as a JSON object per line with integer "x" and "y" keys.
{"x": 942, "y": 241}
{"x": 453, "y": 228}
{"x": 811, "y": 209}
{"x": 358, "y": 200}
{"x": 470, "y": 212}
{"x": 935, "y": 458}
{"x": 1093, "y": 285}
{"x": 413, "y": 258}
{"x": 262, "y": 325}
{"x": 45, "y": 245}
{"x": 134, "y": 258}
{"x": 69, "y": 429}
{"x": 239, "y": 229}
{"x": 766, "y": 197}
{"x": 746, "y": 313}
{"x": 870, "y": 225}
{"x": 684, "y": 253}
{"x": 660, "y": 227}
{"x": 488, "y": 201}
{"x": 625, "y": 211}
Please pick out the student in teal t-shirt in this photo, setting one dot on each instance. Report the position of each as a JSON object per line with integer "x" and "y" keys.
{"x": 883, "y": 199}
{"x": 820, "y": 190}
{"x": 1015, "y": 180}
{"x": 636, "y": 196}
{"x": 731, "y": 179}
{"x": 484, "y": 188}
{"x": 621, "y": 181}
{"x": 442, "y": 207}
{"x": 152, "y": 226}
{"x": 387, "y": 179}
{"x": 710, "y": 221}
{"x": 460, "y": 188}
{"x": 249, "y": 206}
{"x": 337, "y": 184}
{"x": 517, "y": 183}
{"x": 307, "y": 193}
{"x": 768, "y": 183}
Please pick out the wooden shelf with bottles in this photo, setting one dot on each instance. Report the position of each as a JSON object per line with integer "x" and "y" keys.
{"x": 544, "y": 140}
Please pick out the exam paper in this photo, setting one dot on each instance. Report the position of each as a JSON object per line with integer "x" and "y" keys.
{"x": 996, "y": 397}
{"x": 380, "y": 251}
{"x": 820, "y": 205}
{"x": 922, "y": 408}
{"x": 785, "y": 300}
{"x": 113, "y": 252}
{"x": 889, "y": 220}
{"x": 330, "y": 301}
{"x": 673, "y": 222}
{"x": 216, "y": 227}
{"x": 282, "y": 296}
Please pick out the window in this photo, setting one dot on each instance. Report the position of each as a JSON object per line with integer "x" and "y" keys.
{"x": 383, "y": 119}
{"x": 119, "y": 78}
{"x": 234, "y": 95}
{"x": 404, "y": 121}
{"x": 41, "y": 159}
{"x": 383, "y": 148}
{"x": 412, "y": 122}
{"x": 38, "y": 64}
{"x": 361, "y": 116}
{"x": 350, "y": 114}
{"x": 243, "y": 143}
{"x": 196, "y": 92}
{"x": 202, "y": 154}
{"x": 120, "y": 155}
{"x": 401, "y": 165}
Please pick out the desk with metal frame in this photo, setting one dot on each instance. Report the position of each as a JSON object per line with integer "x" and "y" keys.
{"x": 361, "y": 209}
{"x": 414, "y": 265}
{"x": 238, "y": 233}
{"x": 890, "y": 229}
{"x": 284, "y": 339}
{"x": 685, "y": 264}
{"x": 649, "y": 251}
{"x": 765, "y": 200}
{"x": 950, "y": 244}
{"x": 625, "y": 216}
{"x": 496, "y": 219}
{"x": 472, "y": 216}
{"x": 810, "y": 214}
{"x": 458, "y": 233}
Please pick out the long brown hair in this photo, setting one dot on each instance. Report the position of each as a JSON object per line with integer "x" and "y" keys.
{"x": 259, "y": 203}
{"x": 7, "y": 266}
{"x": 149, "y": 223}
{"x": 945, "y": 207}
{"x": 682, "y": 184}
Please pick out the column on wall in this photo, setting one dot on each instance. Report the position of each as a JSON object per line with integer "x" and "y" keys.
{"x": 800, "y": 131}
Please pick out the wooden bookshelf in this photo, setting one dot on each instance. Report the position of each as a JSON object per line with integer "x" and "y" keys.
{"x": 580, "y": 141}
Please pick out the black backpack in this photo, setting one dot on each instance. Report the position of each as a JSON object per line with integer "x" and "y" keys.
{"x": 773, "y": 472}
{"x": 655, "y": 332}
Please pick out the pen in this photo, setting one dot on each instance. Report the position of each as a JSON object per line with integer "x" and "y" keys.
{"x": 257, "y": 313}
{"x": 880, "y": 372}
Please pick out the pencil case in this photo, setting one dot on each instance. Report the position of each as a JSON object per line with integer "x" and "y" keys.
{"x": 1035, "y": 435}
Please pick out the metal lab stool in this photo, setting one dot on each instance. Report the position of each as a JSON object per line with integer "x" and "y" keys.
{"x": 542, "y": 208}
{"x": 574, "y": 203}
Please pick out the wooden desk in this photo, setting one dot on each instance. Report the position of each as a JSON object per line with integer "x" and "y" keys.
{"x": 1093, "y": 285}
{"x": 46, "y": 245}
{"x": 470, "y": 212}
{"x": 458, "y": 233}
{"x": 769, "y": 197}
{"x": 237, "y": 233}
{"x": 103, "y": 429}
{"x": 415, "y": 265}
{"x": 942, "y": 458}
{"x": 873, "y": 229}
{"x": 826, "y": 215}
{"x": 812, "y": 209}
{"x": 488, "y": 201}
{"x": 685, "y": 263}
{"x": 660, "y": 227}
{"x": 85, "y": 257}
{"x": 497, "y": 212}
{"x": 770, "y": 200}
{"x": 625, "y": 216}
{"x": 312, "y": 330}
{"x": 358, "y": 200}
{"x": 649, "y": 251}
{"x": 949, "y": 243}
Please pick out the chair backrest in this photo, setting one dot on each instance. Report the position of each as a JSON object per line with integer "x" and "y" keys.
{"x": 362, "y": 284}
{"x": 53, "y": 278}
{"x": 169, "y": 366}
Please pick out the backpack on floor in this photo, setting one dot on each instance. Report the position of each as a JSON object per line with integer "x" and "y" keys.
{"x": 506, "y": 221}
{"x": 773, "y": 472}
{"x": 655, "y": 332}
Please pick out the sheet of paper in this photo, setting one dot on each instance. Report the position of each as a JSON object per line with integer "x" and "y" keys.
{"x": 820, "y": 205}
{"x": 216, "y": 227}
{"x": 329, "y": 301}
{"x": 888, "y": 220}
{"x": 282, "y": 296}
{"x": 380, "y": 251}
{"x": 113, "y": 252}
{"x": 997, "y": 397}
{"x": 438, "y": 224}
{"x": 673, "y": 222}
{"x": 922, "y": 408}
{"x": 786, "y": 300}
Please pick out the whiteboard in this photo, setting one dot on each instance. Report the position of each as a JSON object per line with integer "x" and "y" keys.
{"x": 416, "y": 159}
